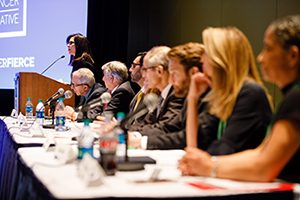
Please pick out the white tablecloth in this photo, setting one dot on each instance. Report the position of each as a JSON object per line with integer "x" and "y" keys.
{"x": 62, "y": 180}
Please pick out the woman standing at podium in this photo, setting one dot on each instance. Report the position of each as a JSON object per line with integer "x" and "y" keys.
{"x": 80, "y": 52}
{"x": 279, "y": 154}
{"x": 81, "y": 56}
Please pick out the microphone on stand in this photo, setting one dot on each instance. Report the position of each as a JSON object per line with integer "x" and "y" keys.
{"x": 137, "y": 162}
{"x": 59, "y": 92}
{"x": 104, "y": 99}
{"x": 67, "y": 95}
{"x": 150, "y": 102}
{"x": 61, "y": 57}
{"x": 51, "y": 101}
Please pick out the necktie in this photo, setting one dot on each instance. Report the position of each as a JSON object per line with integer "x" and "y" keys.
{"x": 82, "y": 101}
{"x": 161, "y": 99}
{"x": 138, "y": 99}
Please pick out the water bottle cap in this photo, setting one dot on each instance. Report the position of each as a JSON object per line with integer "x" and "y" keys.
{"x": 120, "y": 115}
{"x": 61, "y": 99}
{"x": 40, "y": 100}
{"x": 28, "y": 98}
{"x": 86, "y": 122}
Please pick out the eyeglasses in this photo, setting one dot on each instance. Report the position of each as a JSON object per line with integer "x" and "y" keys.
{"x": 133, "y": 65}
{"x": 76, "y": 85}
{"x": 145, "y": 69}
{"x": 71, "y": 42}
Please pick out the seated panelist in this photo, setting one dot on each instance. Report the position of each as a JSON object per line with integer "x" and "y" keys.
{"x": 115, "y": 76}
{"x": 162, "y": 119}
{"x": 83, "y": 84}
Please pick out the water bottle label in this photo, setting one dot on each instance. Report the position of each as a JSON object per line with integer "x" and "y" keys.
{"x": 82, "y": 151}
{"x": 60, "y": 120}
{"x": 121, "y": 138}
{"x": 40, "y": 114}
{"x": 28, "y": 109}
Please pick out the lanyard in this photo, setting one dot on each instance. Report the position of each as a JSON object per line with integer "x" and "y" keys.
{"x": 222, "y": 125}
{"x": 221, "y": 128}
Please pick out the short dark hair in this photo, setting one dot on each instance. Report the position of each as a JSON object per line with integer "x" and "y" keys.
{"x": 142, "y": 54}
{"x": 287, "y": 30}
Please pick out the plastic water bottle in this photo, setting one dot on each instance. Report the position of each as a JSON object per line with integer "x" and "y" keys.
{"x": 60, "y": 117}
{"x": 40, "y": 112}
{"x": 121, "y": 148}
{"x": 29, "y": 109}
{"x": 85, "y": 140}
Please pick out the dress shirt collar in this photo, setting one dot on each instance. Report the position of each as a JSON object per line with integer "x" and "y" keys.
{"x": 165, "y": 91}
{"x": 88, "y": 93}
{"x": 113, "y": 90}
{"x": 143, "y": 89}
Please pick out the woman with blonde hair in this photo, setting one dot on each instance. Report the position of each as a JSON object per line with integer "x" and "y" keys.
{"x": 237, "y": 96}
{"x": 279, "y": 154}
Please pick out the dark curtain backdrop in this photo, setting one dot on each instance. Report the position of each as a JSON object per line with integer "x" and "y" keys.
{"x": 107, "y": 30}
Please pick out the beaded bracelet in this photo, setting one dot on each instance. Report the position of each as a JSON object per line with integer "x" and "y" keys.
{"x": 215, "y": 164}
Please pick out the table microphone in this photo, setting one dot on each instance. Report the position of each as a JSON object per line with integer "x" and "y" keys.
{"x": 127, "y": 163}
{"x": 67, "y": 95}
{"x": 51, "y": 101}
{"x": 150, "y": 102}
{"x": 59, "y": 92}
{"x": 61, "y": 57}
{"x": 104, "y": 99}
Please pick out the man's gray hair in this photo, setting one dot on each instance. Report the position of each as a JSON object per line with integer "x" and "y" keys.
{"x": 158, "y": 55}
{"x": 86, "y": 76}
{"x": 117, "y": 69}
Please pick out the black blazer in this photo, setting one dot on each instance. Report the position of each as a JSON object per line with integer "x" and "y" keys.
{"x": 166, "y": 120}
{"x": 120, "y": 99}
{"x": 247, "y": 126}
{"x": 96, "y": 91}
{"x": 140, "y": 105}
{"x": 177, "y": 140}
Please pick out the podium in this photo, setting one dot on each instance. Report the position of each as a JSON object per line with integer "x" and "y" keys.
{"x": 36, "y": 86}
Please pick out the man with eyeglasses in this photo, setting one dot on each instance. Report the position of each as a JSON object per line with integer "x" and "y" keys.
{"x": 83, "y": 84}
{"x": 136, "y": 77}
{"x": 156, "y": 75}
{"x": 183, "y": 61}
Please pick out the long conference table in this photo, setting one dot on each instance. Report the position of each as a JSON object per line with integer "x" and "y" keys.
{"x": 28, "y": 170}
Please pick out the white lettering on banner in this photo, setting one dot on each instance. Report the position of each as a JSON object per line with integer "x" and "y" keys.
{"x": 9, "y": 19}
{"x": 9, "y": 3}
{"x": 13, "y": 14}
{"x": 17, "y": 62}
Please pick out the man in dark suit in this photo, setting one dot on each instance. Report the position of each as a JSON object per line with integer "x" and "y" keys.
{"x": 115, "y": 76}
{"x": 155, "y": 72}
{"x": 83, "y": 84}
{"x": 184, "y": 60}
{"x": 136, "y": 77}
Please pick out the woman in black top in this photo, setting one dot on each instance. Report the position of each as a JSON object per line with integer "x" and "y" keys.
{"x": 279, "y": 154}
{"x": 77, "y": 44}
{"x": 81, "y": 56}
{"x": 237, "y": 96}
